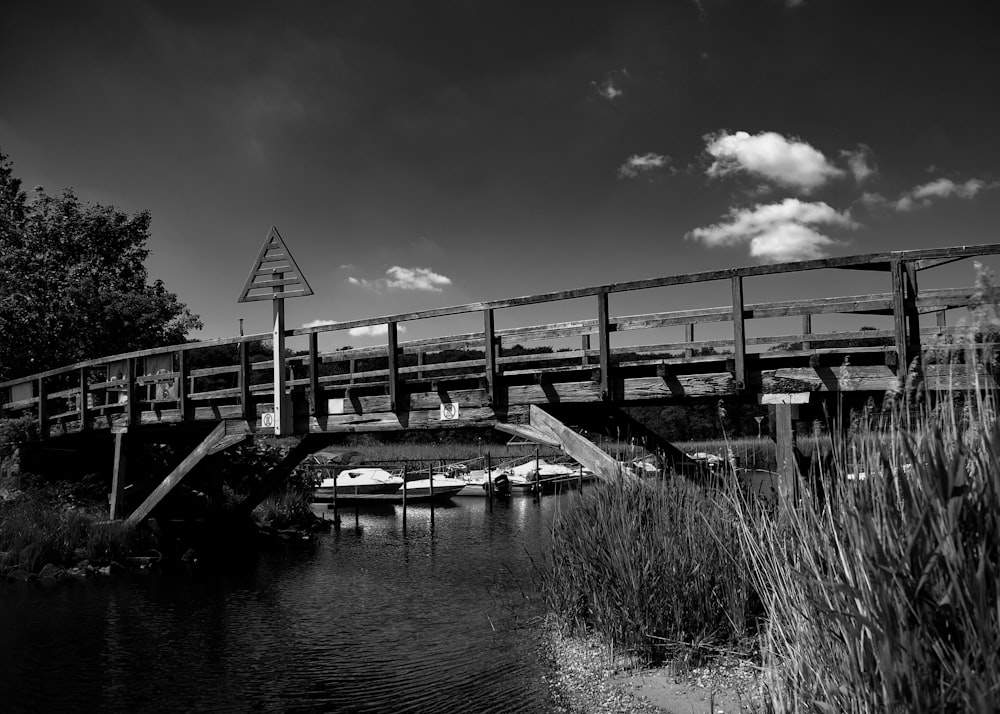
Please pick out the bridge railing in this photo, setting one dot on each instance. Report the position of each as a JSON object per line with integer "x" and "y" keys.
{"x": 230, "y": 378}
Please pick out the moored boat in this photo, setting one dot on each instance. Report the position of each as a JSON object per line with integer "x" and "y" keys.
{"x": 358, "y": 483}
{"x": 444, "y": 487}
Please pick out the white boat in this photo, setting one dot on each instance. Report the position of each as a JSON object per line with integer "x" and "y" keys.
{"x": 360, "y": 483}
{"x": 477, "y": 482}
{"x": 529, "y": 475}
{"x": 444, "y": 487}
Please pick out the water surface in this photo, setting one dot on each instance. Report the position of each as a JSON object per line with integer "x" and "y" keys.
{"x": 440, "y": 619}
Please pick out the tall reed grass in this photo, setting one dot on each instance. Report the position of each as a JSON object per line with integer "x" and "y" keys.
{"x": 652, "y": 566}
{"x": 881, "y": 582}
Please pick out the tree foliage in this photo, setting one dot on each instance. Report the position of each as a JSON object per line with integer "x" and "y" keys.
{"x": 73, "y": 284}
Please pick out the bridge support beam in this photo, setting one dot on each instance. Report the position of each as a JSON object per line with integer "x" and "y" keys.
{"x": 583, "y": 450}
{"x": 178, "y": 474}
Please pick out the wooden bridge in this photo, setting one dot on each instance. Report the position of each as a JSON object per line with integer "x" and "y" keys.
{"x": 477, "y": 380}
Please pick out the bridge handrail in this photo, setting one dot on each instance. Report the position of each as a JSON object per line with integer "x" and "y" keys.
{"x": 898, "y": 262}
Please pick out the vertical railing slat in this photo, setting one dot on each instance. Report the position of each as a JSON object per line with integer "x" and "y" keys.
{"x": 490, "y": 353}
{"x": 84, "y": 393}
{"x": 604, "y": 343}
{"x": 739, "y": 334}
{"x": 316, "y": 405}
{"x": 393, "y": 350}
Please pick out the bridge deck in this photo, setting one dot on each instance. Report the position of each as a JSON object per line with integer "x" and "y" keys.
{"x": 403, "y": 385}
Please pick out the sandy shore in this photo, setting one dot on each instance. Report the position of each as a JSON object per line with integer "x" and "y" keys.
{"x": 589, "y": 680}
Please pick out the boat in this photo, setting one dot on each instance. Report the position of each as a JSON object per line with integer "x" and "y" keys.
{"x": 359, "y": 483}
{"x": 444, "y": 487}
{"x": 532, "y": 475}
{"x": 477, "y": 482}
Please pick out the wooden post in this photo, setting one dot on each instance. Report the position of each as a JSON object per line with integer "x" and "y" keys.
{"x": 420, "y": 363}
{"x": 282, "y": 404}
{"x": 585, "y": 346}
{"x": 489, "y": 479}
{"x": 806, "y": 330}
{"x": 119, "y": 476}
{"x": 246, "y": 402}
{"x": 393, "y": 349}
{"x": 489, "y": 350}
{"x": 689, "y": 337}
{"x": 784, "y": 437}
{"x": 404, "y": 496}
{"x": 899, "y": 313}
{"x": 132, "y": 404}
{"x": 84, "y": 392}
{"x": 604, "y": 343}
{"x": 183, "y": 373}
{"x": 43, "y": 409}
{"x": 316, "y": 405}
{"x": 739, "y": 334}
{"x": 942, "y": 319}
{"x": 910, "y": 309}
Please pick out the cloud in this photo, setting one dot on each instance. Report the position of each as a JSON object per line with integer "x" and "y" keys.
{"x": 778, "y": 231}
{"x": 859, "y": 162}
{"x": 923, "y": 195}
{"x": 318, "y": 323}
{"x": 405, "y": 279}
{"x": 374, "y": 330}
{"x": 788, "y": 162}
{"x": 609, "y": 88}
{"x": 636, "y": 164}
{"x": 365, "y": 331}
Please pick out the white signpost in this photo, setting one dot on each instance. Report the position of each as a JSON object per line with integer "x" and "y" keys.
{"x": 275, "y": 276}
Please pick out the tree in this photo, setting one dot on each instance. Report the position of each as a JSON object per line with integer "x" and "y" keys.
{"x": 73, "y": 285}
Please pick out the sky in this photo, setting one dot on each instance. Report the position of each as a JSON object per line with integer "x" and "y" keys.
{"x": 416, "y": 155}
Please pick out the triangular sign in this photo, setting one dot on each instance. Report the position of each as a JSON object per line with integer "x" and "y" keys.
{"x": 274, "y": 274}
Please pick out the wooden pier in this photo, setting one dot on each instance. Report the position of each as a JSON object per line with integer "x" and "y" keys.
{"x": 476, "y": 380}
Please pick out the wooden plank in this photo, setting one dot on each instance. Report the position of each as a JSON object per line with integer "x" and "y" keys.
{"x": 689, "y": 337}
{"x": 585, "y": 348}
{"x": 604, "y": 344}
{"x": 739, "y": 334}
{"x": 581, "y": 449}
{"x": 392, "y": 351}
{"x": 806, "y": 330}
{"x": 177, "y": 475}
{"x": 490, "y": 353}
{"x": 910, "y": 309}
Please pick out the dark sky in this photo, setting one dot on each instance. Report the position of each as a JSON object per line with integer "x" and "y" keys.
{"x": 416, "y": 155}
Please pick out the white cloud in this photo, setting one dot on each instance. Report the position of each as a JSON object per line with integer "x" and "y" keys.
{"x": 319, "y": 323}
{"x": 365, "y": 331}
{"x": 921, "y": 196}
{"x": 777, "y": 231}
{"x": 787, "y": 162}
{"x": 637, "y": 164}
{"x": 609, "y": 88}
{"x": 405, "y": 279}
{"x": 374, "y": 330}
{"x": 858, "y": 161}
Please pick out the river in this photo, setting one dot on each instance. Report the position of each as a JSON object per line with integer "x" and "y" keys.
{"x": 374, "y": 619}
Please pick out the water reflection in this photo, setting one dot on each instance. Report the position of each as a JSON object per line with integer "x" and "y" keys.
{"x": 378, "y": 618}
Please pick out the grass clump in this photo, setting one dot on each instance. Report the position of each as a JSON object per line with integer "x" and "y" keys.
{"x": 649, "y": 567}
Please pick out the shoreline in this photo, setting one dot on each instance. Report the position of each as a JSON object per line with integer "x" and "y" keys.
{"x": 589, "y": 679}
